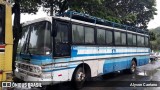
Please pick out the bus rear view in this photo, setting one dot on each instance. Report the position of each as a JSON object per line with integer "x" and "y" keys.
{"x": 6, "y": 42}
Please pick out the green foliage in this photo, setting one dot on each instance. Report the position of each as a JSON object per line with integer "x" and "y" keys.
{"x": 29, "y": 6}
{"x": 152, "y": 36}
{"x": 155, "y": 38}
{"x": 130, "y": 12}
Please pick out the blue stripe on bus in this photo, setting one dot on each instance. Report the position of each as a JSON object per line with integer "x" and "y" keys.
{"x": 111, "y": 65}
{"x": 98, "y": 54}
{"x": 39, "y": 59}
{"x": 58, "y": 69}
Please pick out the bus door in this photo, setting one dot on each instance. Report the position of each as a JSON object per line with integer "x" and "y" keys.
{"x": 61, "y": 41}
{"x": 62, "y": 48}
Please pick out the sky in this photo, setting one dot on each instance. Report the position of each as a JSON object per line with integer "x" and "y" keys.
{"x": 152, "y": 24}
{"x": 28, "y": 17}
{"x": 156, "y": 21}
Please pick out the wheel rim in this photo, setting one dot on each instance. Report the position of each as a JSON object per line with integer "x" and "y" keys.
{"x": 80, "y": 76}
{"x": 133, "y": 67}
{"x": 149, "y": 60}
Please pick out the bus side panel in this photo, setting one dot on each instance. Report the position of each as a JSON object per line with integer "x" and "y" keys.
{"x": 142, "y": 60}
{"x": 115, "y": 64}
{"x": 8, "y": 26}
{"x": 101, "y": 66}
{"x": 8, "y": 57}
{"x": 121, "y": 63}
{"x": 146, "y": 60}
{"x": 108, "y": 66}
{"x": 93, "y": 64}
{"x": 8, "y": 62}
{"x": 1, "y": 63}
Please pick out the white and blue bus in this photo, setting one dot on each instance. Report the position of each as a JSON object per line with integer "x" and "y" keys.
{"x": 76, "y": 46}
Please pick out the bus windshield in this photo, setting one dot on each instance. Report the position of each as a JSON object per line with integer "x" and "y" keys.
{"x": 37, "y": 40}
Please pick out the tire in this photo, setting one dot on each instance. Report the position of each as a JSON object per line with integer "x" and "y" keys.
{"x": 150, "y": 60}
{"x": 79, "y": 77}
{"x": 133, "y": 67}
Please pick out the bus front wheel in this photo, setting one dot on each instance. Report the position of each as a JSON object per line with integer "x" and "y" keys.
{"x": 79, "y": 77}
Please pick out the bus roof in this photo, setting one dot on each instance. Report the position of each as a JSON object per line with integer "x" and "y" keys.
{"x": 49, "y": 18}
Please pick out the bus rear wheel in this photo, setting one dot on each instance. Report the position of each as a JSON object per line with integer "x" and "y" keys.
{"x": 133, "y": 67}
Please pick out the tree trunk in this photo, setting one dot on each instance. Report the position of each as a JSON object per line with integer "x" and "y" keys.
{"x": 16, "y": 30}
{"x": 51, "y": 9}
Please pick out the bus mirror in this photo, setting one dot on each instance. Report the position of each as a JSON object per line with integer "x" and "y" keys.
{"x": 54, "y": 30}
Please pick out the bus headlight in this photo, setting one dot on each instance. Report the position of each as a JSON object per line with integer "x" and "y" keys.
{"x": 16, "y": 69}
{"x": 31, "y": 68}
{"x": 16, "y": 64}
{"x": 36, "y": 70}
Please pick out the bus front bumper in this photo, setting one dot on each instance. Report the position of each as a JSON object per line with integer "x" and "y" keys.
{"x": 28, "y": 78}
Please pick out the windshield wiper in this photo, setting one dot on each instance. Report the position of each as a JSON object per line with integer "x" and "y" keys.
{"x": 26, "y": 45}
{"x": 23, "y": 49}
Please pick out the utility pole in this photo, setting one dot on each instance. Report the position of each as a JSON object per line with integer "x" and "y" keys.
{"x": 16, "y": 29}
{"x": 51, "y": 7}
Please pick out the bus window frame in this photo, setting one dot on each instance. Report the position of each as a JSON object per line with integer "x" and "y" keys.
{"x": 111, "y": 30}
{"x": 84, "y": 25}
{"x": 106, "y": 29}
{"x": 120, "y": 38}
{"x": 55, "y": 20}
{"x": 72, "y": 36}
{"x": 29, "y": 34}
{"x": 145, "y": 41}
{"x": 97, "y": 38}
{"x": 125, "y": 45}
{"x": 127, "y": 40}
{"x": 136, "y": 40}
{"x": 3, "y": 23}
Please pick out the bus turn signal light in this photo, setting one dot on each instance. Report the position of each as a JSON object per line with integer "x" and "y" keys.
{"x": 60, "y": 75}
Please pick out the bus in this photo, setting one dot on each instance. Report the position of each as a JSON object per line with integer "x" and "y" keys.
{"x": 75, "y": 47}
{"x": 6, "y": 41}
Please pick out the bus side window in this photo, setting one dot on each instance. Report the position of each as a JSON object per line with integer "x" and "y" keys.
{"x": 117, "y": 36}
{"x": 2, "y": 16}
{"x": 1, "y": 33}
{"x": 146, "y": 41}
{"x": 109, "y": 37}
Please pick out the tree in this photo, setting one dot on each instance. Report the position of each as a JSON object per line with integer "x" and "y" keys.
{"x": 16, "y": 30}
{"x": 152, "y": 36}
{"x": 155, "y": 38}
{"x": 130, "y": 12}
